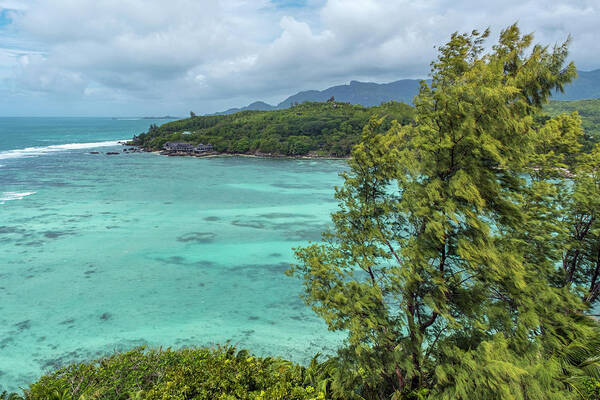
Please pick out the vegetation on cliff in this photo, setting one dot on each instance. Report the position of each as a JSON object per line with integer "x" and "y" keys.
{"x": 327, "y": 129}
{"x": 201, "y": 374}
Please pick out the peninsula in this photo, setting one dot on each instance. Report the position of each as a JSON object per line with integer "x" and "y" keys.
{"x": 326, "y": 129}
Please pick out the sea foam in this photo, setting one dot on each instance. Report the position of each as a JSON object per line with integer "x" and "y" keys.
{"x": 9, "y": 196}
{"x": 38, "y": 151}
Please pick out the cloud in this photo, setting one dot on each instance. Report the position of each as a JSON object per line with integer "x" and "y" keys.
{"x": 205, "y": 55}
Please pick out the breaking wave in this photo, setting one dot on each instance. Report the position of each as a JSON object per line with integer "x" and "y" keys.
{"x": 38, "y": 151}
{"x": 10, "y": 196}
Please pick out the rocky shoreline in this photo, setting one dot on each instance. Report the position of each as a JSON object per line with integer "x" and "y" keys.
{"x": 254, "y": 155}
{"x": 129, "y": 148}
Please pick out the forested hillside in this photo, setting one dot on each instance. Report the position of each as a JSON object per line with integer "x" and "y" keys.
{"x": 324, "y": 129}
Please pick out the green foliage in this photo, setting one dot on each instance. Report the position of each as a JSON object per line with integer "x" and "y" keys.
{"x": 445, "y": 262}
{"x": 222, "y": 373}
{"x": 10, "y": 396}
{"x": 327, "y": 128}
{"x": 590, "y": 389}
{"x": 589, "y": 111}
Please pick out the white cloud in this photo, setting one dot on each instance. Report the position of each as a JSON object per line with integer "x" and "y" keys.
{"x": 13, "y": 5}
{"x": 209, "y": 54}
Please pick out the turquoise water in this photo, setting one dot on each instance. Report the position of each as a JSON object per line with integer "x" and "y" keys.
{"x": 101, "y": 253}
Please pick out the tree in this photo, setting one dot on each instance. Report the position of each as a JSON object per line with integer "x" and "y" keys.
{"x": 431, "y": 268}
{"x": 242, "y": 145}
{"x": 298, "y": 145}
{"x": 565, "y": 195}
{"x": 581, "y": 258}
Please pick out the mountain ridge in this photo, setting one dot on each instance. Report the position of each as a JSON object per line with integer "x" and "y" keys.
{"x": 586, "y": 86}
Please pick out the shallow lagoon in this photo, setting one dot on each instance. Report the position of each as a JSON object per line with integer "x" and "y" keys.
{"x": 101, "y": 253}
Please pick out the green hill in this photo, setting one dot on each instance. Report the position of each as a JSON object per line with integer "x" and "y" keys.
{"x": 323, "y": 129}
{"x": 589, "y": 110}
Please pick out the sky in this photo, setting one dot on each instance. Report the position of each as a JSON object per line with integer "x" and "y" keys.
{"x": 158, "y": 57}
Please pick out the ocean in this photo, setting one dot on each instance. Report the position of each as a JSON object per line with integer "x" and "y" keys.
{"x": 100, "y": 253}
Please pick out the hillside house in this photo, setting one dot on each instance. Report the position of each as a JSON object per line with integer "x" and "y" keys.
{"x": 203, "y": 148}
{"x": 179, "y": 146}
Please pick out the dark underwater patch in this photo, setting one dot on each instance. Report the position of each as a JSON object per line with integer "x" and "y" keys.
{"x": 253, "y": 271}
{"x": 275, "y": 255}
{"x": 178, "y": 260}
{"x": 284, "y": 215}
{"x": 58, "y": 184}
{"x": 33, "y": 243}
{"x": 57, "y": 234}
{"x": 280, "y": 267}
{"x": 249, "y": 224}
{"x": 23, "y": 325}
{"x": 304, "y": 235}
{"x": 36, "y": 218}
{"x": 11, "y": 229}
{"x": 212, "y": 219}
{"x": 197, "y": 237}
{"x": 59, "y": 362}
{"x": 106, "y": 316}
{"x": 292, "y": 186}
{"x": 67, "y": 322}
{"x": 4, "y": 342}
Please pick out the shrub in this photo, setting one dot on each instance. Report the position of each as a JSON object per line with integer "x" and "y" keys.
{"x": 221, "y": 373}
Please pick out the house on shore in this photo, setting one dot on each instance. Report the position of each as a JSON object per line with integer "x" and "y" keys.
{"x": 182, "y": 147}
{"x": 179, "y": 147}
{"x": 203, "y": 148}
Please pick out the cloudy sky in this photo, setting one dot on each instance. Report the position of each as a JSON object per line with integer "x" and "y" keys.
{"x": 156, "y": 57}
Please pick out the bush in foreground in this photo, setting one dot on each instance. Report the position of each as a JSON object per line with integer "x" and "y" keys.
{"x": 222, "y": 373}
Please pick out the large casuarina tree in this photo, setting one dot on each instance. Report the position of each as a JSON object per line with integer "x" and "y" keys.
{"x": 444, "y": 263}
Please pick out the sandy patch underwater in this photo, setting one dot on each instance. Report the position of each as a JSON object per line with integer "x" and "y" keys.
{"x": 109, "y": 252}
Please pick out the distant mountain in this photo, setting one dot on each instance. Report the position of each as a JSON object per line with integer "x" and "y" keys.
{"x": 257, "y": 105}
{"x": 586, "y": 86}
{"x": 365, "y": 93}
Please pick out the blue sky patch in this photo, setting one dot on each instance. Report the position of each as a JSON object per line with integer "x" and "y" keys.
{"x": 5, "y": 17}
{"x": 289, "y": 3}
